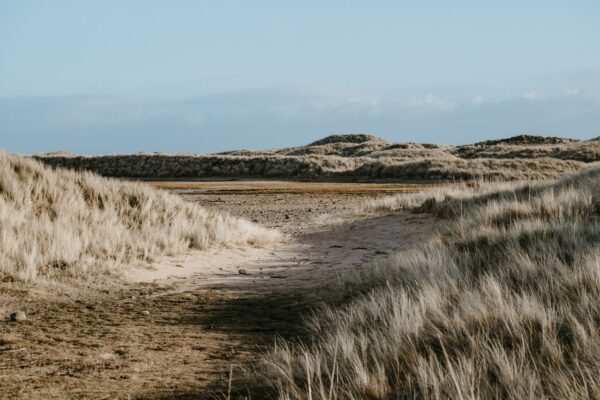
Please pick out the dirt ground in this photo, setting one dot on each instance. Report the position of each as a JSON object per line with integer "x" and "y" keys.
{"x": 179, "y": 334}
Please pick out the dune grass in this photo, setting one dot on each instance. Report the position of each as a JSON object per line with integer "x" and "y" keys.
{"x": 421, "y": 201}
{"x": 65, "y": 225}
{"x": 351, "y": 157}
{"x": 504, "y": 303}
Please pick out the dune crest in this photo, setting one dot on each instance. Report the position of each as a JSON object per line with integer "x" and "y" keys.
{"x": 68, "y": 225}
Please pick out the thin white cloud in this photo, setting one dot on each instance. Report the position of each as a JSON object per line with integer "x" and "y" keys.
{"x": 532, "y": 95}
{"x": 270, "y": 118}
{"x": 477, "y": 100}
{"x": 431, "y": 100}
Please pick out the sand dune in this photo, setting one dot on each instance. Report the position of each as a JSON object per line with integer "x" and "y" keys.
{"x": 66, "y": 225}
{"x": 352, "y": 157}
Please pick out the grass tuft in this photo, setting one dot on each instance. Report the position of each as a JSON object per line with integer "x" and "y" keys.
{"x": 502, "y": 304}
{"x": 66, "y": 225}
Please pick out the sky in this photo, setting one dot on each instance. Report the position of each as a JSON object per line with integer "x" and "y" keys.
{"x": 119, "y": 76}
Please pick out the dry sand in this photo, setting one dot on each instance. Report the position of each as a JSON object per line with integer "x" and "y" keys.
{"x": 207, "y": 311}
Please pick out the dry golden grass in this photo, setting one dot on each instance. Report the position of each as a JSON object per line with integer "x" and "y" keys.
{"x": 505, "y": 303}
{"x": 353, "y": 157}
{"x": 425, "y": 199}
{"x": 69, "y": 226}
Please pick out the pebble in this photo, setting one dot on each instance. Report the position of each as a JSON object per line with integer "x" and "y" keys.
{"x": 18, "y": 316}
{"x": 243, "y": 272}
{"x": 145, "y": 312}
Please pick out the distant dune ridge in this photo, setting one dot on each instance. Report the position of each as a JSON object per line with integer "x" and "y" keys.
{"x": 66, "y": 225}
{"x": 357, "y": 156}
{"x": 502, "y": 304}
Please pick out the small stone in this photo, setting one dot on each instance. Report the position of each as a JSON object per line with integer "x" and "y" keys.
{"x": 287, "y": 216}
{"x": 18, "y": 316}
{"x": 145, "y": 312}
{"x": 243, "y": 272}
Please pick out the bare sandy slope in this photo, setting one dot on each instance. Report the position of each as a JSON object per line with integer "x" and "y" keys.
{"x": 206, "y": 312}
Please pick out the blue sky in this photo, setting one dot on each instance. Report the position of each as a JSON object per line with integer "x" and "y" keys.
{"x": 102, "y": 76}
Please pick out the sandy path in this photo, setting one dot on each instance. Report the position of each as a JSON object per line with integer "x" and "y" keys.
{"x": 321, "y": 255}
{"x": 326, "y": 239}
{"x": 278, "y": 285}
{"x": 203, "y": 315}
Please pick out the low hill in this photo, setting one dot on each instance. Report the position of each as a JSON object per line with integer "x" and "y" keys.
{"x": 66, "y": 225}
{"x": 351, "y": 138}
{"x": 524, "y": 140}
{"x": 358, "y": 156}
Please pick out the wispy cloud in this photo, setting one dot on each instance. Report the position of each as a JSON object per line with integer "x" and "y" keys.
{"x": 431, "y": 100}
{"x": 532, "y": 95}
{"x": 268, "y": 118}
